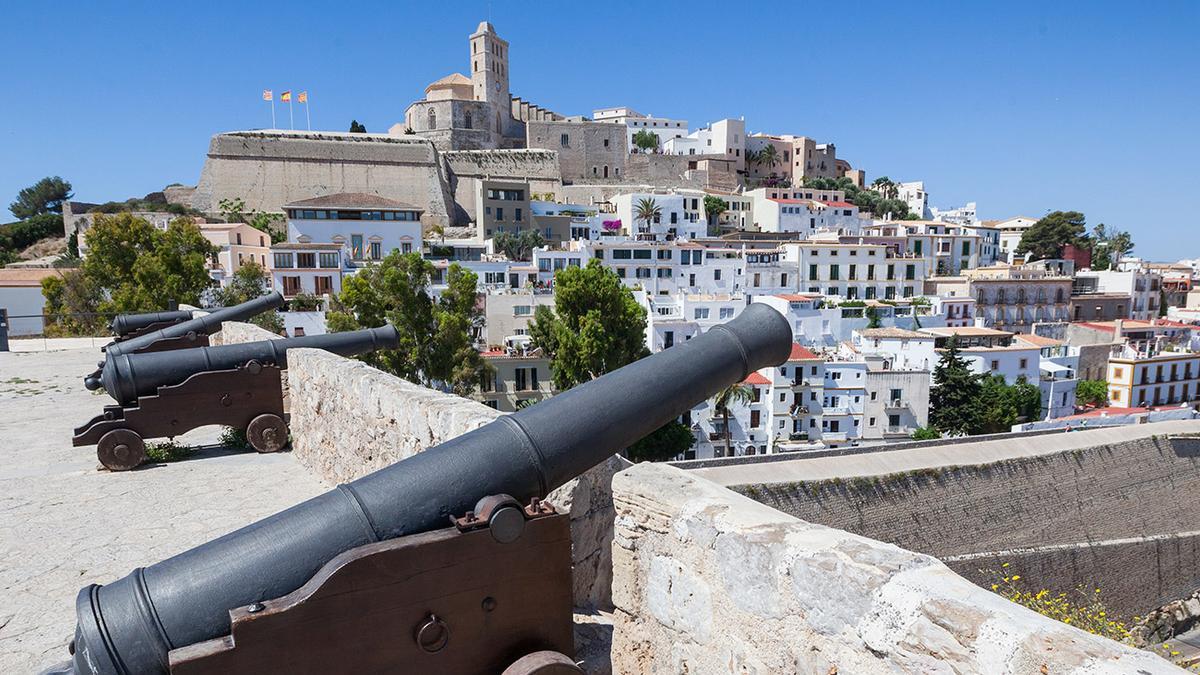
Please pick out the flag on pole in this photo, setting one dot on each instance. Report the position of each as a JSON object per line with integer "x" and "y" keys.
{"x": 267, "y": 95}
{"x": 303, "y": 97}
{"x": 286, "y": 96}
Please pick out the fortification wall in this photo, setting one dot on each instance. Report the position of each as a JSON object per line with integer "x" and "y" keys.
{"x": 268, "y": 169}
{"x": 1114, "y": 515}
{"x": 467, "y": 168}
{"x": 707, "y": 581}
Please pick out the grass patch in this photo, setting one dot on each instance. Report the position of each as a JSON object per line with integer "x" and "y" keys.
{"x": 18, "y": 380}
{"x": 168, "y": 451}
{"x": 234, "y": 438}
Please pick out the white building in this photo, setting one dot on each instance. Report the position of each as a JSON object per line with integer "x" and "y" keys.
{"x": 21, "y": 295}
{"x": 993, "y": 352}
{"x": 962, "y": 215}
{"x": 1059, "y": 367}
{"x": 725, "y": 137}
{"x": 1141, "y": 285}
{"x": 1011, "y": 231}
{"x": 367, "y": 226}
{"x": 681, "y": 316}
{"x": 902, "y": 349}
{"x": 913, "y": 193}
{"x": 311, "y": 268}
{"x": 806, "y": 216}
{"x": 856, "y": 271}
{"x": 681, "y": 215}
{"x": 989, "y": 243}
{"x": 666, "y": 129}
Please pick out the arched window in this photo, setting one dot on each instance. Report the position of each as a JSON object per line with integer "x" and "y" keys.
{"x": 606, "y": 171}
{"x": 1000, "y": 296}
{"x": 432, "y": 119}
{"x": 467, "y": 119}
{"x": 499, "y": 129}
{"x": 1020, "y": 296}
{"x": 1058, "y": 295}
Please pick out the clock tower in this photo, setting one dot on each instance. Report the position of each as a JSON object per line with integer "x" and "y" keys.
{"x": 489, "y": 69}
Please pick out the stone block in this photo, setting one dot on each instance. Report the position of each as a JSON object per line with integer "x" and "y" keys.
{"x": 708, "y": 581}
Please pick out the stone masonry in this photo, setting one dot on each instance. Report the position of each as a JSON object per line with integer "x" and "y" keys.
{"x": 708, "y": 581}
{"x": 1109, "y": 515}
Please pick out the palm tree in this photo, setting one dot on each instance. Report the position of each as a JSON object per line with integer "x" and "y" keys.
{"x": 734, "y": 394}
{"x": 647, "y": 210}
{"x": 768, "y": 155}
{"x": 886, "y": 188}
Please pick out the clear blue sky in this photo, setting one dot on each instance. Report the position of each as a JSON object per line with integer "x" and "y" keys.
{"x": 1023, "y": 107}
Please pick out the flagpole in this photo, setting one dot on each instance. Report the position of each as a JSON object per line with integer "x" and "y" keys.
{"x": 307, "y": 116}
{"x": 291, "y": 119}
{"x": 273, "y": 112}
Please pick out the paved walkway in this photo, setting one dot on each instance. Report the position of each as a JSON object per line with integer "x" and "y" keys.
{"x": 64, "y": 525}
{"x": 886, "y": 462}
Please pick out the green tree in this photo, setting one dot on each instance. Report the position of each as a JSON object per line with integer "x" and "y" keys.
{"x": 647, "y": 210}
{"x": 732, "y": 395}
{"x": 356, "y": 128}
{"x": 1045, "y": 238}
{"x": 596, "y": 326}
{"x": 250, "y": 281}
{"x": 1092, "y": 392}
{"x": 1026, "y": 399}
{"x": 713, "y": 207}
{"x": 885, "y": 187}
{"x": 768, "y": 156}
{"x": 873, "y": 318}
{"x": 996, "y": 409}
{"x": 140, "y": 268}
{"x": 645, "y": 140}
{"x": 436, "y": 336}
{"x": 72, "y": 305}
{"x": 669, "y": 441}
{"x": 45, "y": 196}
{"x": 955, "y": 394}
{"x": 925, "y": 434}
{"x": 518, "y": 246}
{"x": 16, "y": 237}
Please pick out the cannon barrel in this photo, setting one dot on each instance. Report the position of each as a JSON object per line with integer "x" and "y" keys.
{"x": 123, "y": 324}
{"x": 207, "y": 324}
{"x": 130, "y": 625}
{"x": 127, "y": 376}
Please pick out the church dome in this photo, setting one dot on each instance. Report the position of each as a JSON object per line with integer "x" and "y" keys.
{"x": 453, "y": 86}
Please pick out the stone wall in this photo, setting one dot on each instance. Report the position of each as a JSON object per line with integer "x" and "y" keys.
{"x": 349, "y": 419}
{"x": 590, "y": 147}
{"x": 466, "y": 169}
{"x": 268, "y": 169}
{"x": 234, "y": 332}
{"x": 1108, "y": 515}
{"x": 708, "y": 581}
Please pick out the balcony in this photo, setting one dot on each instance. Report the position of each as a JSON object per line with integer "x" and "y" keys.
{"x": 798, "y": 436}
{"x": 896, "y": 404}
{"x": 897, "y": 431}
{"x": 836, "y": 410}
{"x": 716, "y": 435}
{"x": 834, "y": 436}
{"x": 797, "y": 410}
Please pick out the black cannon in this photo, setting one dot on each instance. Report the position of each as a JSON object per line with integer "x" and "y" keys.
{"x": 360, "y": 579}
{"x": 193, "y": 332}
{"x": 167, "y": 393}
{"x": 127, "y": 326}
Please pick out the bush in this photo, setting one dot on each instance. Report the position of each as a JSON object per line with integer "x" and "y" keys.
{"x": 1084, "y": 609}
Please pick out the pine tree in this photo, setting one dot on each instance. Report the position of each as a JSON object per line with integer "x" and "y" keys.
{"x": 953, "y": 399}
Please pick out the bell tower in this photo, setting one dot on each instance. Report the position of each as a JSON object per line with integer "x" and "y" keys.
{"x": 489, "y": 68}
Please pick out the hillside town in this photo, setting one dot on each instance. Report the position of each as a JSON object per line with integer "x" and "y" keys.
{"x": 698, "y": 222}
{"x": 523, "y": 385}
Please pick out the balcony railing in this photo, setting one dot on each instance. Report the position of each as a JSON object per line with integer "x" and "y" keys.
{"x": 798, "y": 436}
{"x": 897, "y": 431}
{"x": 798, "y": 410}
{"x": 896, "y": 404}
{"x": 716, "y": 435}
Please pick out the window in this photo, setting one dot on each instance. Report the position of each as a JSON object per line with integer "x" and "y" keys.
{"x": 306, "y": 260}
{"x": 726, "y": 313}
{"x": 356, "y": 246}
{"x": 1024, "y": 363}
{"x": 565, "y": 141}
{"x": 406, "y": 247}
{"x": 700, "y": 313}
{"x": 812, "y": 272}
{"x": 517, "y": 215}
{"x": 641, "y": 254}
{"x": 377, "y": 250}
{"x": 522, "y": 310}
{"x": 329, "y": 260}
{"x": 499, "y": 213}
{"x": 995, "y": 365}
{"x": 621, "y": 254}
{"x": 283, "y": 260}
{"x": 432, "y": 119}
{"x": 291, "y": 286}
{"x": 324, "y": 285}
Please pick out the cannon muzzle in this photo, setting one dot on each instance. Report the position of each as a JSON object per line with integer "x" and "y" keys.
{"x": 207, "y": 324}
{"x": 127, "y": 376}
{"x": 124, "y": 324}
{"x": 130, "y": 625}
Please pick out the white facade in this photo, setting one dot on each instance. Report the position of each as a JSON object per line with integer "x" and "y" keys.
{"x": 1011, "y": 231}
{"x": 682, "y": 215}
{"x": 913, "y": 193}
{"x": 808, "y": 217}
{"x": 962, "y": 215}
{"x": 989, "y": 243}
{"x": 368, "y": 226}
{"x": 902, "y": 349}
{"x": 725, "y": 137}
{"x": 1142, "y": 286}
{"x": 313, "y": 269}
{"x": 665, "y": 128}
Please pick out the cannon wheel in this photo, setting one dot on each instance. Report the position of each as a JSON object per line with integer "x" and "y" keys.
{"x": 121, "y": 450}
{"x": 544, "y": 663}
{"x": 267, "y": 433}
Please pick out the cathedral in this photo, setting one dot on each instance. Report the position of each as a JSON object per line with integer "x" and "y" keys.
{"x": 476, "y": 112}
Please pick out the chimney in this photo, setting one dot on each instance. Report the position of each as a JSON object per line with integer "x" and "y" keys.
{"x": 1118, "y": 325}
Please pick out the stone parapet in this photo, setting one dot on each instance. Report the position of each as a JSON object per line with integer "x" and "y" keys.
{"x": 235, "y": 332}
{"x": 708, "y": 581}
